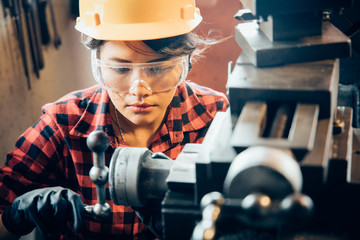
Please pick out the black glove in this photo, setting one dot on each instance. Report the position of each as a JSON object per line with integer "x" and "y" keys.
{"x": 48, "y": 209}
{"x": 150, "y": 215}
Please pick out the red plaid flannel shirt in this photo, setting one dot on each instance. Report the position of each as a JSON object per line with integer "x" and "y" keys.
{"x": 53, "y": 152}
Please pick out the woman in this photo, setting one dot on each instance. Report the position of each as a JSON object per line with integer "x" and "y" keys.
{"x": 141, "y": 54}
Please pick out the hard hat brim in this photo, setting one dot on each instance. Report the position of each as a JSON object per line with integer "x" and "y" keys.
{"x": 138, "y": 31}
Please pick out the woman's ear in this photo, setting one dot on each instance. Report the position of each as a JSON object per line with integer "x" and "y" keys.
{"x": 190, "y": 66}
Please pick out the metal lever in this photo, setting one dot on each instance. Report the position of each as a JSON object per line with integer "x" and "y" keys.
{"x": 15, "y": 8}
{"x": 57, "y": 39}
{"x": 98, "y": 142}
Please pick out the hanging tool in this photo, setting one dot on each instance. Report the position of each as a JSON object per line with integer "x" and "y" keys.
{"x": 57, "y": 40}
{"x": 35, "y": 5}
{"x": 1, "y": 34}
{"x": 45, "y": 35}
{"x": 9, "y": 49}
{"x": 74, "y": 8}
{"x": 15, "y": 8}
{"x": 32, "y": 29}
{"x": 32, "y": 37}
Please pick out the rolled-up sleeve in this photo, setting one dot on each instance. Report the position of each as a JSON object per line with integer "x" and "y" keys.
{"x": 35, "y": 161}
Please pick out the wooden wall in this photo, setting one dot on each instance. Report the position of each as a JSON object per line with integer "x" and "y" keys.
{"x": 66, "y": 69}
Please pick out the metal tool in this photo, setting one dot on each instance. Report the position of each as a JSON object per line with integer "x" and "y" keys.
{"x": 31, "y": 13}
{"x": 6, "y": 12}
{"x": 45, "y": 35}
{"x": 15, "y": 8}
{"x": 4, "y": 15}
{"x": 32, "y": 36}
{"x": 57, "y": 39}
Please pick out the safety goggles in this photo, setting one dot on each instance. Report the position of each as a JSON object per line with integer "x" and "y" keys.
{"x": 121, "y": 77}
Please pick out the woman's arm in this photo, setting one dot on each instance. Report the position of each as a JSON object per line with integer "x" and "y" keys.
{"x": 25, "y": 168}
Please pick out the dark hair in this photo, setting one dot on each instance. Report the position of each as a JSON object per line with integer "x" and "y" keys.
{"x": 186, "y": 44}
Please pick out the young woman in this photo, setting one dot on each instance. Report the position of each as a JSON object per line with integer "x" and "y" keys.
{"x": 141, "y": 54}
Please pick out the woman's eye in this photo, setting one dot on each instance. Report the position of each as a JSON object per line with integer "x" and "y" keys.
{"x": 158, "y": 70}
{"x": 121, "y": 70}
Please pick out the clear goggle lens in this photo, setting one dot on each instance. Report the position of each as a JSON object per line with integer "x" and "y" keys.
{"x": 154, "y": 76}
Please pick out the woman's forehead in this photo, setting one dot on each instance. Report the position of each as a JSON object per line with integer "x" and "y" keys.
{"x": 128, "y": 50}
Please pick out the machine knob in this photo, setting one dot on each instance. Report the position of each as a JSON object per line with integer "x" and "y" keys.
{"x": 256, "y": 204}
{"x": 297, "y": 206}
{"x": 97, "y": 141}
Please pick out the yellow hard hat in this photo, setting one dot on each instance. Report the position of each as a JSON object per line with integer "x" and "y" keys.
{"x": 137, "y": 19}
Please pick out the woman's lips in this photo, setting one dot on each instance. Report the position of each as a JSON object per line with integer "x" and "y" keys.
{"x": 141, "y": 108}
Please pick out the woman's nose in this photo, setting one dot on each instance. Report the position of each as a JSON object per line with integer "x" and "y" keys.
{"x": 140, "y": 88}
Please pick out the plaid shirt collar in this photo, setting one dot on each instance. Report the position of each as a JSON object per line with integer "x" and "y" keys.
{"x": 180, "y": 118}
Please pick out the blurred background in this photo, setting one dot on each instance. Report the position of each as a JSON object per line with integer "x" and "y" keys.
{"x": 66, "y": 66}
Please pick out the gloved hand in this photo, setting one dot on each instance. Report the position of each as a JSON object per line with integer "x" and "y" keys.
{"x": 150, "y": 215}
{"x": 48, "y": 209}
